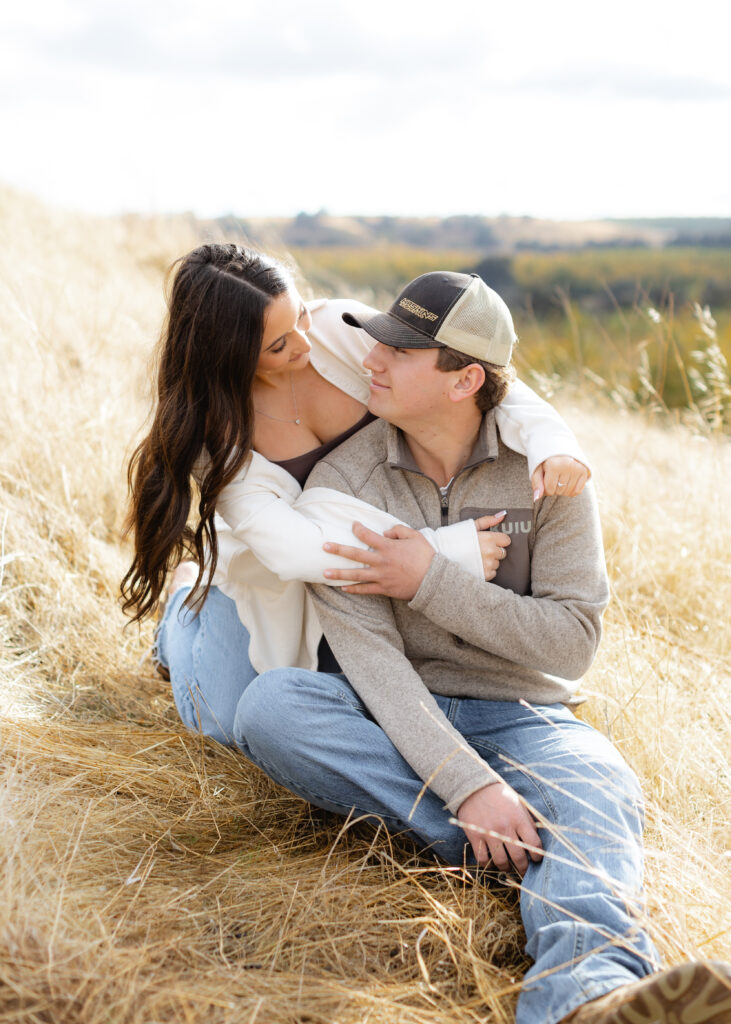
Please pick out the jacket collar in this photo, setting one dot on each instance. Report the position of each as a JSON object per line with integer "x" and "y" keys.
{"x": 485, "y": 449}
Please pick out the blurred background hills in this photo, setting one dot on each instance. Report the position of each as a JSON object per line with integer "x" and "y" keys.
{"x": 500, "y": 234}
{"x": 534, "y": 263}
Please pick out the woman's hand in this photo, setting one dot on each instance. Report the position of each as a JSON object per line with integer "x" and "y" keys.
{"x": 560, "y": 475}
{"x": 493, "y": 546}
{"x": 397, "y": 562}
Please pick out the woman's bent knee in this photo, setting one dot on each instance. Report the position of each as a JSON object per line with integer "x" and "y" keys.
{"x": 261, "y": 722}
{"x": 285, "y": 714}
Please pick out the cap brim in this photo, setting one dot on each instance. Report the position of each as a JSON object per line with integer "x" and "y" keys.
{"x": 390, "y": 331}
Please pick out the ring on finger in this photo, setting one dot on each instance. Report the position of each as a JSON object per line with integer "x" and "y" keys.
{"x": 560, "y": 484}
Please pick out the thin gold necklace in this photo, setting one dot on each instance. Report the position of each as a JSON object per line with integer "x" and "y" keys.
{"x": 296, "y": 419}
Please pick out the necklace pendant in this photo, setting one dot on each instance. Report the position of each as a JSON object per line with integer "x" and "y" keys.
{"x": 298, "y": 422}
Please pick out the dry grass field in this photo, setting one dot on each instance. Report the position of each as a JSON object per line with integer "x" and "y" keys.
{"x": 150, "y": 876}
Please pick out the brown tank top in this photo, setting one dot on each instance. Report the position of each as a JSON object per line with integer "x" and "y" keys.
{"x": 301, "y": 466}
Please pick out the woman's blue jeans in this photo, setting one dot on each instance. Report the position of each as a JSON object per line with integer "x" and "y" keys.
{"x": 581, "y": 905}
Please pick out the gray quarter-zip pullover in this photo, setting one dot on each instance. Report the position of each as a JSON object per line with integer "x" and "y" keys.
{"x": 519, "y": 637}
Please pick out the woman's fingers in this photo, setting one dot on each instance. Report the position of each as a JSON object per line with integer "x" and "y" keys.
{"x": 490, "y": 541}
{"x": 578, "y": 480}
{"x": 537, "y": 482}
{"x": 493, "y": 549}
{"x": 564, "y": 476}
{"x": 486, "y": 522}
{"x": 493, "y": 545}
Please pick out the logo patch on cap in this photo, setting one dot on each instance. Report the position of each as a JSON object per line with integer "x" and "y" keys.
{"x": 411, "y": 307}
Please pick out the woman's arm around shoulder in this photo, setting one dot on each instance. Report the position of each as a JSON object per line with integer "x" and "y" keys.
{"x": 531, "y": 426}
{"x": 285, "y": 529}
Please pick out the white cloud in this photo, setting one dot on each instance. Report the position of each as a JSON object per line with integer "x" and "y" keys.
{"x": 400, "y": 107}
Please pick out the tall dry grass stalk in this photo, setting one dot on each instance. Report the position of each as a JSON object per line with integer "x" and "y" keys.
{"x": 151, "y": 876}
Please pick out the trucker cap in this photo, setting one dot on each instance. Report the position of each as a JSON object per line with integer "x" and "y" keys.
{"x": 445, "y": 309}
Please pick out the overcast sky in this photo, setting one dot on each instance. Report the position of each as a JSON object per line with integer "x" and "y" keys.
{"x": 413, "y": 107}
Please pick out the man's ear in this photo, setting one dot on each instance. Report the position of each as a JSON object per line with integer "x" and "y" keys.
{"x": 468, "y": 382}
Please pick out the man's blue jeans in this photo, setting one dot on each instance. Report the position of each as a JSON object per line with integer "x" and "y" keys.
{"x": 309, "y": 731}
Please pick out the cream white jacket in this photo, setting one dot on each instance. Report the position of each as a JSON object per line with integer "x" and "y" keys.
{"x": 271, "y": 533}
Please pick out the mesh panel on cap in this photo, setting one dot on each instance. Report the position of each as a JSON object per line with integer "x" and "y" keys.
{"x": 476, "y": 314}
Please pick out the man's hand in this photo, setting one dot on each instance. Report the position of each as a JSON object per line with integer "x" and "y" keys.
{"x": 560, "y": 475}
{"x": 493, "y": 546}
{"x": 397, "y": 562}
{"x": 498, "y": 809}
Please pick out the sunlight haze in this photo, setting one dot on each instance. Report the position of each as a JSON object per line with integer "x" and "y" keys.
{"x": 566, "y": 110}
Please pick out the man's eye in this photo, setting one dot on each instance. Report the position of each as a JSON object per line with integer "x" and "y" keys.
{"x": 303, "y": 314}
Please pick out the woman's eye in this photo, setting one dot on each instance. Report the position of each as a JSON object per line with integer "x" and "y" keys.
{"x": 279, "y": 348}
{"x": 303, "y": 314}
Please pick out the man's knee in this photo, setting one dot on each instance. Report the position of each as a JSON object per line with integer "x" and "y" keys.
{"x": 607, "y": 792}
{"x": 614, "y": 778}
{"x": 580, "y": 777}
{"x": 630, "y": 792}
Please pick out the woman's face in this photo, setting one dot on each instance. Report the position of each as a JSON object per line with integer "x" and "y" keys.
{"x": 284, "y": 344}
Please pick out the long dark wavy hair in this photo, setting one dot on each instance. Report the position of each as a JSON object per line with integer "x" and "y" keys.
{"x": 207, "y": 358}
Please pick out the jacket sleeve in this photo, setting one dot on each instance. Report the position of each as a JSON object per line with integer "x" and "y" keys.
{"x": 285, "y": 529}
{"x": 532, "y": 427}
{"x": 362, "y": 633}
{"x": 556, "y": 629}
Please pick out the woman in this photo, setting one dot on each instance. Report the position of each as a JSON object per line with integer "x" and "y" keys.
{"x": 254, "y": 386}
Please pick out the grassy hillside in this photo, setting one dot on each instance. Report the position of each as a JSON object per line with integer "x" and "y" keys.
{"x": 151, "y": 876}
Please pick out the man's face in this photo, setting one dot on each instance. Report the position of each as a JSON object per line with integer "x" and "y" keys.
{"x": 406, "y": 386}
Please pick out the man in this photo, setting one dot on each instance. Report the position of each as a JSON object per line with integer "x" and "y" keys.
{"x": 456, "y": 697}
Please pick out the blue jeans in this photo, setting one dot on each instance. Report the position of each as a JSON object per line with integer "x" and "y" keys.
{"x": 207, "y": 656}
{"x": 310, "y": 732}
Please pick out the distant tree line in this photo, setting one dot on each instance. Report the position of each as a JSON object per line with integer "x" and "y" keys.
{"x": 546, "y": 292}
{"x": 498, "y": 235}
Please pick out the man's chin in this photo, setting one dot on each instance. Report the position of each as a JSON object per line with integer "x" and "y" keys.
{"x": 381, "y": 409}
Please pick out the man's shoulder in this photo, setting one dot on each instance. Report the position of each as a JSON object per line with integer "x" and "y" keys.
{"x": 508, "y": 457}
{"x": 355, "y": 459}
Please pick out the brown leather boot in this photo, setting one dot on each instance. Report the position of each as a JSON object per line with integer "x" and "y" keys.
{"x": 692, "y": 993}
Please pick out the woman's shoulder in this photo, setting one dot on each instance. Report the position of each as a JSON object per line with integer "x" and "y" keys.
{"x": 331, "y": 331}
{"x": 322, "y": 309}
{"x": 338, "y": 349}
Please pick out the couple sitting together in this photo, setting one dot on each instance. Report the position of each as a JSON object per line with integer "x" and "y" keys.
{"x": 446, "y": 545}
